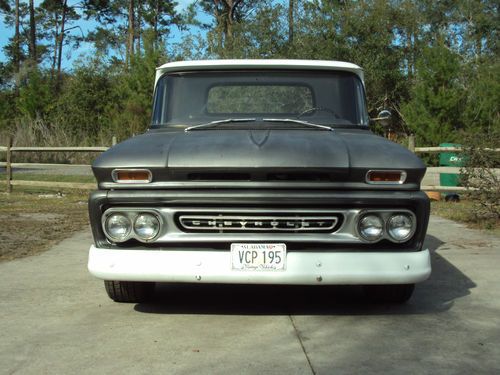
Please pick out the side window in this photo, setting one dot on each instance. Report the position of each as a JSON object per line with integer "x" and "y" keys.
{"x": 159, "y": 103}
{"x": 361, "y": 104}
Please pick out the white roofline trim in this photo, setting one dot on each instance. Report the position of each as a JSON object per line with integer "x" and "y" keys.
{"x": 179, "y": 66}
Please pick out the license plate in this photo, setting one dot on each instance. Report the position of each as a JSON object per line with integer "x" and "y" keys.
{"x": 258, "y": 256}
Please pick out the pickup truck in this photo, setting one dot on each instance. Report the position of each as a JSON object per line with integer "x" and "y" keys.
{"x": 259, "y": 172}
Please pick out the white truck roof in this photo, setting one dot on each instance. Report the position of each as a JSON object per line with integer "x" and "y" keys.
{"x": 179, "y": 66}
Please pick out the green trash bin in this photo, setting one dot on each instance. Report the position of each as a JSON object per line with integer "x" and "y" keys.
{"x": 450, "y": 159}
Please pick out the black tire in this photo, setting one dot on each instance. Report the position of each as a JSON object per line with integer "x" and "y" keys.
{"x": 129, "y": 291}
{"x": 396, "y": 293}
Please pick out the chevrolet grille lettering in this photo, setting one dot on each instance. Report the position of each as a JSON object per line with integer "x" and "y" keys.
{"x": 263, "y": 223}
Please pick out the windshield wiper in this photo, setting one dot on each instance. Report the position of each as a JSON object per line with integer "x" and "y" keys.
{"x": 218, "y": 122}
{"x": 229, "y": 120}
{"x": 301, "y": 122}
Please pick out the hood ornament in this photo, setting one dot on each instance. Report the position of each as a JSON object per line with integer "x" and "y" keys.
{"x": 259, "y": 137}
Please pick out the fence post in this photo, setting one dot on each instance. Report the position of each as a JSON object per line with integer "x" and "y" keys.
{"x": 8, "y": 166}
{"x": 113, "y": 140}
{"x": 411, "y": 142}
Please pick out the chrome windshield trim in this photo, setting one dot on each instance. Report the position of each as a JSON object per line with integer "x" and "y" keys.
{"x": 218, "y": 122}
{"x": 300, "y": 122}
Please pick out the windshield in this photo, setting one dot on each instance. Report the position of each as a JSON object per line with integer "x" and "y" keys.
{"x": 327, "y": 98}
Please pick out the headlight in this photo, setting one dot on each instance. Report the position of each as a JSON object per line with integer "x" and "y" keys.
{"x": 400, "y": 227}
{"x": 371, "y": 227}
{"x": 118, "y": 226}
{"x": 146, "y": 226}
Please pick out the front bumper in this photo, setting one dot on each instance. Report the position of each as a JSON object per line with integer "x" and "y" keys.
{"x": 303, "y": 268}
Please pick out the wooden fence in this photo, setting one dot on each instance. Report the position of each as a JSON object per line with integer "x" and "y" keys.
{"x": 9, "y": 150}
{"x": 430, "y": 170}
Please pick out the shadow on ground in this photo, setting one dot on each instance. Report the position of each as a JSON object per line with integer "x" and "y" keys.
{"x": 437, "y": 294}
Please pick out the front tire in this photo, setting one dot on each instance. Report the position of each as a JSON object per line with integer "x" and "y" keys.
{"x": 129, "y": 291}
{"x": 397, "y": 293}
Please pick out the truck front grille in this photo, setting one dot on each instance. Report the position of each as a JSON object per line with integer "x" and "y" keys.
{"x": 258, "y": 176}
{"x": 244, "y": 223}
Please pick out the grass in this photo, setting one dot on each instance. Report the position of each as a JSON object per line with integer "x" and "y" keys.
{"x": 463, "y": 212}
{"x": 33, "y": 220}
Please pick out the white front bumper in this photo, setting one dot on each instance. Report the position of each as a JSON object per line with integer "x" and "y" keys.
{"x": 303, "y": 268}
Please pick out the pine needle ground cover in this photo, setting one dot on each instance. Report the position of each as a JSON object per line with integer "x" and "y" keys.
{"x": 32, "y": 221}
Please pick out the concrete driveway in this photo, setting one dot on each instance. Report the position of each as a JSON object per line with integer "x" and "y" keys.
{"x": 56, "y": 319}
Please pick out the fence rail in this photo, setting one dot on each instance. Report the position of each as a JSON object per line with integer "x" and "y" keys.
{"x": 64, "y": 185}
{"x": 9, "y": 149}
{"x": 434, "y": 150}
{"x": 58, "y": 149}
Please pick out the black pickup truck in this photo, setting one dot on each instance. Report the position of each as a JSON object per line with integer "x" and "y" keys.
{"x": 259, "y": 172}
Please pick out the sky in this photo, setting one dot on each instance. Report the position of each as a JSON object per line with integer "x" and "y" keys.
{"x": 7, "y": 32}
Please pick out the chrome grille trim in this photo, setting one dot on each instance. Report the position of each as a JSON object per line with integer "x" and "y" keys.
{"x": 259, "y": 223}
{"x": 172, "y": 232}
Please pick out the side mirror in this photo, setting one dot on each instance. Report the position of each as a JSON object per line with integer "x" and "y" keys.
{"x": 384, "y": 117}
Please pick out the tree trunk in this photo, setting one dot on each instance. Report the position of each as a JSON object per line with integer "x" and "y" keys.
{"x": 131, "y": 32}
{"x": 230, "y": 6}
{"x": 290, "y": 21}
{"x": 60, "y": 46}
{"x": 56, "y": 40}
{"x": 220, "y": 30}
{"x": 32, "y": 41}
{"x": 17, "y": 50}
{"x": 229, "y": 19}
{"x": 155, "y": 24}
{"x": 138, "y": 26}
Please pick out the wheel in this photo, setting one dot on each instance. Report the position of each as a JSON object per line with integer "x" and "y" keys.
{"x": 129, "y": 291}
{"x": 397, "y": 293}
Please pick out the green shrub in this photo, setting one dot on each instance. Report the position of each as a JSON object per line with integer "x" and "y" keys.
{"x": 479, "y": 173}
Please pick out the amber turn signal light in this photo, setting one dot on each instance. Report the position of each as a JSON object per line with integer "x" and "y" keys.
{"x": 132, "y": 176}
{"x": 386, "y": 177}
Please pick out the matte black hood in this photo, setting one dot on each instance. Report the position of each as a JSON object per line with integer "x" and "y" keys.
{"x": 341, "y": 153}
{"x": 229, "y": 149}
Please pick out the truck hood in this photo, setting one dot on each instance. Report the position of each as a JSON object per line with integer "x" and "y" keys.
{"x": 339, "y": 153}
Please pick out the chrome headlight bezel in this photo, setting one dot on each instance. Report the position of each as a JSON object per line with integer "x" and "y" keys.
{"x": 127, "y": 223}
{"x": 156, "y": 231}
{"x": 411, "y": 231}
{"x": 368, "y": 216}
{"x": 131, "y": 214}
{"x": 386, "y": 215}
